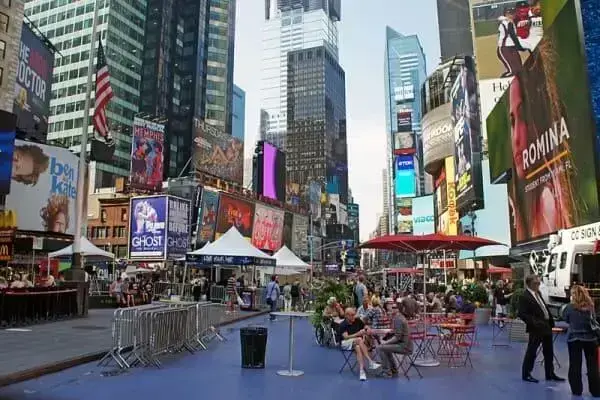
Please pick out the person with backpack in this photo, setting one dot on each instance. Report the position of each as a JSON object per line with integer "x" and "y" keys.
{"x": 295, "y": 295}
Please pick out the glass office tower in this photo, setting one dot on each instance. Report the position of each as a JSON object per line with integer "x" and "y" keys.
{"x": 239, "y": 113}
{"x": 68, "y": 25}
{"x": 404, "y": 73}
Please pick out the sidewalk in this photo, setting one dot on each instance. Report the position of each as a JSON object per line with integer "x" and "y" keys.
{"x": 37, "y": 350}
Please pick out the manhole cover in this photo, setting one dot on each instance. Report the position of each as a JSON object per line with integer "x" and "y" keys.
{"x": 90, "y": 327}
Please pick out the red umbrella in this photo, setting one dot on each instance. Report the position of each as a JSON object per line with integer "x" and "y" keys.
{"x": 431, "y": 242}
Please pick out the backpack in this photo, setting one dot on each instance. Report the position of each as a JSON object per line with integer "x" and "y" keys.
{"x": 295, "y": 291}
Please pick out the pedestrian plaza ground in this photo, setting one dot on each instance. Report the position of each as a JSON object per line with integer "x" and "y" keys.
{"x": 216, "y": 373}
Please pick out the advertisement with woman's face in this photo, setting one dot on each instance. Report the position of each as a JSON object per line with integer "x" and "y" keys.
{"x": 542, "y": 129}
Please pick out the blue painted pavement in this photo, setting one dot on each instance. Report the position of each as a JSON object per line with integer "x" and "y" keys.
{"x": 216, "y": 374}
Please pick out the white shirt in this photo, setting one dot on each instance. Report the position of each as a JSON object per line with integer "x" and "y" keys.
{"x": 540, "y": 302}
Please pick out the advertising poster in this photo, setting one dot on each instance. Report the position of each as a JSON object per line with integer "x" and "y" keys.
{"x": 405, "y": 176}
{"x": 147, "y": 155}
{"x": 438, "y": 135}
{"x": 207, "y": 217}
{"x": 467, "y": 143}
{"x": 404, "y": 143}
{"x": 404, "y": 215}
{"x": 43, "y": 188}
{"x": 218, "y": 154}
{"x": 404, "y": 120}
{"x": 292, "y": 194}
{"x": 288, "y": 222}
{"x": 506, "y": 32}
{"x": 423, "y": 215}
{"x": 178, "y": 228}
{"x": 7, "y": 146}
{"x": 453, "y": 217}
{"x": 353, "y": 220}
{"x": 267, "y": 233}
{"x": 188, "y": 189}
{"x": 235, "y": 212}
{"x": 490, "y": 91}
{"x": 314, "y": 190}
{"x": 33, "y": 86}
{"x": 147, "y": 227}
{"x": 543, "y": 130}
{"x": 300, "y": 235}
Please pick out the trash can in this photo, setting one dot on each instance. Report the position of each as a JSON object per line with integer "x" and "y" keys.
{"x": 253, "y": 341}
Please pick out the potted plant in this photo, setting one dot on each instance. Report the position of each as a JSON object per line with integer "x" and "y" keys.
{"x": 517, "y": 329}
{"x": 478, "y": 295}
{"x": 327, "y": 289}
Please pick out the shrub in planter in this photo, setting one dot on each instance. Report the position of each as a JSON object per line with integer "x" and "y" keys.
{"x": 330, "y": 288}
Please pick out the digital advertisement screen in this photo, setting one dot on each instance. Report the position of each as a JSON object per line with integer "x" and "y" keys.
{"x": 147, "y": 155}
{"x": 272, "y": 172}
{"x": 7, "y": 147}
{"x": 147, "y": 227}
{"x": 235, "y": 212}
{"x": 405, "y": 176}
{"x": 33, "y": 86}
{"x": 467, "y": 139}
{"x": 423, "y": 215}
{"x": 218, "y": 153}
{"x": 404, "y": 215}
{"x": 404, "y": 120}
{"x": 543, "y": 130}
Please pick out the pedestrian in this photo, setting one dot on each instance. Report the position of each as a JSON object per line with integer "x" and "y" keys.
{"x": 581, "y": 317}
{"x": 360, "y": 291}
{"x": 287, "y": 297}
{"x": 295, "y": 295}
{"x": 231, "y": 293}
{"x": 272, "y": 297}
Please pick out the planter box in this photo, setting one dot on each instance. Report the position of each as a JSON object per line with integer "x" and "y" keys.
{"x": 516, "y": 331}
{"x": 482, "y": 316}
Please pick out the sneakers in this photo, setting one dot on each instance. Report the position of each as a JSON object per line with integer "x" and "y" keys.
{"x": 362, "y": 375}
{"x": 373, "y": 365}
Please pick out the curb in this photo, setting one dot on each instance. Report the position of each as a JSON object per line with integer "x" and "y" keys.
{"x": 59, "y": 366}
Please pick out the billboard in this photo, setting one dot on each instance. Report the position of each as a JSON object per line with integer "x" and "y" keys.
{"x": 267, "y": 233}
{"x": 404, "y": 92}
{"x": 43, "y": 188}
{"x": 187, "y": 188}
{"x": 7, "y": 147}
{"x": 300, "y": 235}
{"x": 147, "y": 227}
{"x": 405, "y": 176}
{"x": 446, "y": 212}
{"x": 288, "y": 222}
{"x": 207, "y": 217}
{"x": 404, "y": 120}
{"x": 314, "y": 195}
{"x": 353, "y": 220}
{"x": 178, "y": 227}
{"x": 147, "y": 155}
{"x": 271, "y": 173}
{"x": 33, "y": 86}
{"x": 404, "y": 221}
{"x": 438, "y": 136}
{"x": 292, "y": 194}
{"x": 467, "y": 139}
{"x": 542, "y": 129}
{"x": 234, "y": 212}
{"x": 506, "y": 32}
{"x": 423, "y": 215}
{"x": 218, "y": 154}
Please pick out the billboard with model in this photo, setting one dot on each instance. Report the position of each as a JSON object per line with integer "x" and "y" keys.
{"x": 218, "y": 154}
{"x": 147, "y": 157}
{"x": 542, "y": 129}
{"x": 235, "y": 212}
{"x": 267, "y": 233}
{"x": 207, "y": 217}
{"x": 147, "y": 227}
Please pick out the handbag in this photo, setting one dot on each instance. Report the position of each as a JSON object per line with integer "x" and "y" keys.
{"x": 595, "y": 326}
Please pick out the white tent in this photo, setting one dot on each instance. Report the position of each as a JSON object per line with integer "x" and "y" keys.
{"x": 87, "y": 250}
{"x": 194, "y": 252}
{"x": 286, "y": 259}
{"x": 231, "y": 245}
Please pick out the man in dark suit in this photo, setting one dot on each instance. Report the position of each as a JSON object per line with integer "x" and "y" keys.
{"x": 534, "y": 312}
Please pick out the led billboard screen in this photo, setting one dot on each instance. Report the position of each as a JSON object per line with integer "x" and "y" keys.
{"x": 405, "y": 176}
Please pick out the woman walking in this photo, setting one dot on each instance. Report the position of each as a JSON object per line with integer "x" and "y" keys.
{"x": 582, "y": 339}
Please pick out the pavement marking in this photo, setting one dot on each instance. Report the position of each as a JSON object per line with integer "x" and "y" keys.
{"x": 18, "y": 330}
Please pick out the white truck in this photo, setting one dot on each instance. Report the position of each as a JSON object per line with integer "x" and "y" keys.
{"x": 572, "y": 258}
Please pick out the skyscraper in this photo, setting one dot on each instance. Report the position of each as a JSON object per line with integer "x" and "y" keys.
{"x": 69, "y": 27}
{"x": 291, "y": 25}
{"x": 404, "y": 73}
{"x": 239, "y": 113}
{"x": 188, "y": 70}
{"x": 11, "y": 20}
{"x": 454, "y": 20}
{"x": 316, "y": 121}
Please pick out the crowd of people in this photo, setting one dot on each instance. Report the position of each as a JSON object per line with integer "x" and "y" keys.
{"x": 128, "y": 292}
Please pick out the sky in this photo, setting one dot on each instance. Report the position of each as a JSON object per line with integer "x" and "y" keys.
{"x": 362, "y": 50}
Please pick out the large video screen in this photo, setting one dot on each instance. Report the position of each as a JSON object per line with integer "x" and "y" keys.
{"x": 405, "y": 176}
{"x": 273, "y": 173}
{"x": 543, "y": 130}
{"x": 235, "y": 212}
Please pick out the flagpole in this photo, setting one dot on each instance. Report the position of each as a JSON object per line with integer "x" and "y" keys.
{"x": 77, "y": 273}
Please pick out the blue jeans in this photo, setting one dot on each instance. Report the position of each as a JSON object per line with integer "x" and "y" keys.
{"x": 273, "y": 308}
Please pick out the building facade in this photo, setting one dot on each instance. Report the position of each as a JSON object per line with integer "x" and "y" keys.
{"x": 290, "y": 25}
{"x": 239, "y": 113}
{"x": 404, "y": 73}
{"x": 454, "y": 21}
{"x": 109, "y": 230}
{"x": 188, "y": 70}
{"x": 68, "y": 26}
{"x": 316, "y": 148}
{"x": 11, "y": 21}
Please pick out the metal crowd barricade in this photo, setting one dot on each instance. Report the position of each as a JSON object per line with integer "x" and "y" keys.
{"x": 217, "y": 293}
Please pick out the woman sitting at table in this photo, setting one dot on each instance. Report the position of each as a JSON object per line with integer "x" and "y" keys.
{"x": 364, "y": 309}
{"x": 333, "y": 311}
{"x": 399, "y": 342}
{"x": 376, "y": 317}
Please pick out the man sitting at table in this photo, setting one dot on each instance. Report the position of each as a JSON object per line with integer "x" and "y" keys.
{"x": 353, "y": 333}
{"x": 399, "y": 343}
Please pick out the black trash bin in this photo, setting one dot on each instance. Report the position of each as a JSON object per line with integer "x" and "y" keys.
{"x": 254, "y": 346}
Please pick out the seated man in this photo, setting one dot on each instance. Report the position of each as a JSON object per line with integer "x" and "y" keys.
{"x": 399, "y": 343}
{"x": 353, "y": 333}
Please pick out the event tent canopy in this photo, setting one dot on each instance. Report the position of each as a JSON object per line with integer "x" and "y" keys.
{"x": 230, "y": 249}
{"x": 285, "y": 258}
{"x": 87, "y": 250}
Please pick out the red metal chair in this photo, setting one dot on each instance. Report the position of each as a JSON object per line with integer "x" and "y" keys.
{"x": 462, "y": 340}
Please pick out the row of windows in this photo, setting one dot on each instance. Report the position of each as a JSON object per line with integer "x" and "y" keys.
{"x": 104, "y": 232}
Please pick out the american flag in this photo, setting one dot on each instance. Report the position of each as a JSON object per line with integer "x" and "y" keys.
{"x": 104, "y": 93}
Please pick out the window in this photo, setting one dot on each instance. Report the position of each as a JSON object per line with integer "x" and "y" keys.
{"x": 4, "y": 22}
{"x": 123, "y": 214}
{"x": 563, "y": 260}
{"x": 103, "y": 215}
{"x": 2, "y": 49}
{"x": 552, "y": 264}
